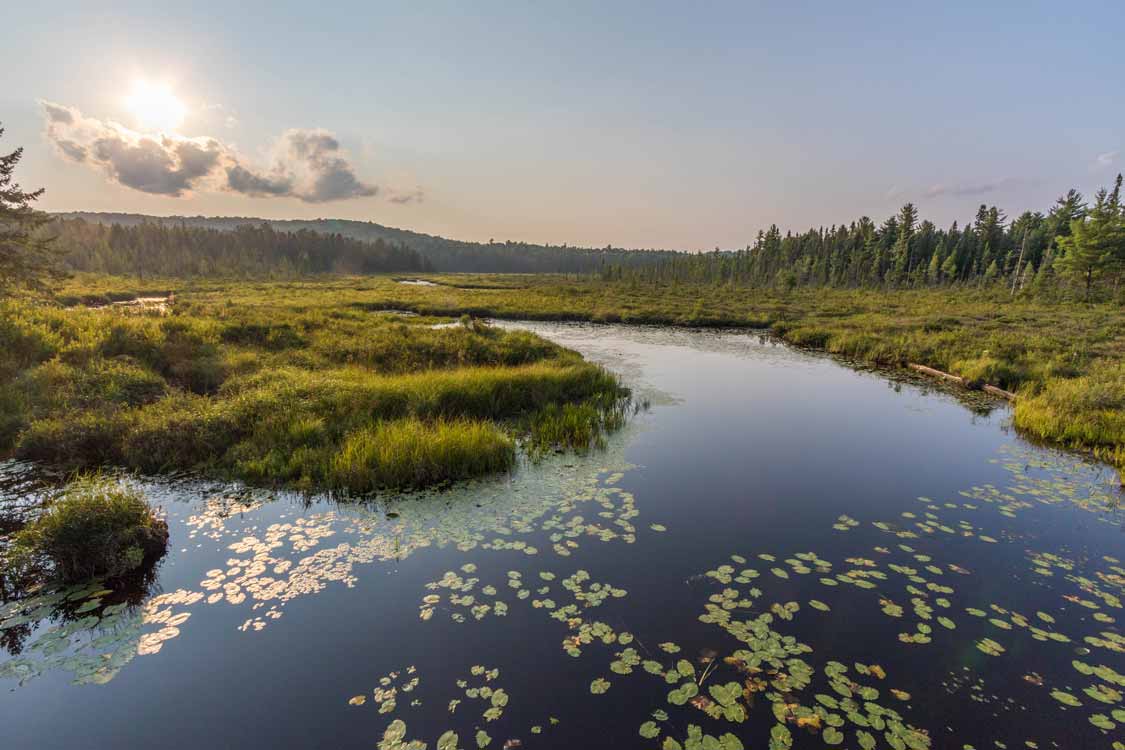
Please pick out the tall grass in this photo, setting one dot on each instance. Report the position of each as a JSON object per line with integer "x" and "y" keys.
{"x": 576, "y": 426}
{"x": 276, "y": 395}
{"x": 412, "y": 453}
{"x": 1086, "y": 412}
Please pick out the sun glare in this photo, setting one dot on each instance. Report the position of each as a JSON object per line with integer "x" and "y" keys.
{"x": 155, "y": 106}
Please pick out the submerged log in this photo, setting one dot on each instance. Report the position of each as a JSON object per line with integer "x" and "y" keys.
{"x": 962, "y": 381}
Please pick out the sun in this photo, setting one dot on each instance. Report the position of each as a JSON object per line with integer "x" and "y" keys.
{"x": 155, "y": 106}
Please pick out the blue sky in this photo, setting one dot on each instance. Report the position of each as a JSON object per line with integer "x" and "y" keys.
{"x": 641, "y": 124}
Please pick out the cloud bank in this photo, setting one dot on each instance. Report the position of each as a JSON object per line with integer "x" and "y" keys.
{"x": 308, "y": 165}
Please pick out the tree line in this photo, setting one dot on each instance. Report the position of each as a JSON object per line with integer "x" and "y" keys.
{"x": 443, "y": 254}
{"x": 168, "y": 249}
{"x": 1075, "y": 244}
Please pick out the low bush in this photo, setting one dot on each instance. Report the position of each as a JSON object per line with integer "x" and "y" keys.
{"x": 97, "y": 527}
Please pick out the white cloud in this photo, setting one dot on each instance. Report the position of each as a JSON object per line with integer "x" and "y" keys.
{"x": 1106, "y": 159}
{"x": 308, "y": 165}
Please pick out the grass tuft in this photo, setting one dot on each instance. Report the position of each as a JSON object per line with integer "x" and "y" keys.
{"x": 408, "y": 453}
{"x": 97, "y": 527}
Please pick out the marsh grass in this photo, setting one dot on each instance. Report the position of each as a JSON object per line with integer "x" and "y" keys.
{"x": 1049, "y": 352}
{"x": 576, "y": 426}
{"x": 408, "y": 453}
{"x": 276, "y": 389}
{"x": 1046, "y": 351}
{"x": 97, "y": 527}
{"x": 1084, "y": 412}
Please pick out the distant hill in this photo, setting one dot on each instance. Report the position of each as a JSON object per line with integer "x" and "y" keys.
{"x": 442, "y": 254}
{"x": 250, "y": 250}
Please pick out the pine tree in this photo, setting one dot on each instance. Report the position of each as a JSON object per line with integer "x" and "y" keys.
{"x": 27, "y": 259}
{"x": 900, "y": 253}
{"x": 1096, "y": 242}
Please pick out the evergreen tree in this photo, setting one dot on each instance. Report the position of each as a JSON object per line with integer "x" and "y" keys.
{"x": 933, "y": 275}
{"x": 949, "y": 268}
{"x": 1096, "y": 242}
{"x": 27, "y": 259}
{"x": 900, "y": 253}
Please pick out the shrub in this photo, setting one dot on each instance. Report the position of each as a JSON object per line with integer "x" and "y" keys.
{"x": 78, "y": 440}
{"x": 96, "y": 527}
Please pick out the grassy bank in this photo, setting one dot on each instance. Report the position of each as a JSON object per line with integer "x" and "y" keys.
{"x": 250, "y": 343}
{"x": 1062, "y": 359}
{"x": 282, "y": 384}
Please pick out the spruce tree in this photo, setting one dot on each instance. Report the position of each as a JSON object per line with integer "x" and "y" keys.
{"x": 27, "y": 259}
{"x": 1096, "y": 242}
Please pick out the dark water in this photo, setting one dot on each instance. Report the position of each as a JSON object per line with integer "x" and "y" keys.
{"x": 271, "y": 613}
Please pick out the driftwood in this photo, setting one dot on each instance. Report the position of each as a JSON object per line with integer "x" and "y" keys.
{"x": 960, "y": 380}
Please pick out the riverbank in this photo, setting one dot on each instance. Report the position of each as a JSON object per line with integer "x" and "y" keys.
{"x": 1064, "y": 361}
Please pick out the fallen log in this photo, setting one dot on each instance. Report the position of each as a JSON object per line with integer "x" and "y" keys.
{"x": 937, "y": 373}
{"x": 999, "y": 392}
{"x": 960, "y": 380}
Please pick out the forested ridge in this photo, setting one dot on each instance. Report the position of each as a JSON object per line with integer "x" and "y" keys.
{"x": 170, "y": 249}
{"x": 443, "y": 254}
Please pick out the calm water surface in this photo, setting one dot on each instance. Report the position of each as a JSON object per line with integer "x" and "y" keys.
{"x": 969, "y": 596}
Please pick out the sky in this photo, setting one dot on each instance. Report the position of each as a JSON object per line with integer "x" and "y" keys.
{"x": 637, "y": 124}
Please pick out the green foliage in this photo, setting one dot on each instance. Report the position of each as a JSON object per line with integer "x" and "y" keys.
{"x": 1096, "y": 245}
{"x": 1087, "y": 411}
{"x": 96, "y": 527}
{"x": 901, "y": 252}
{"x": 576, "y": 426}
{"x": 28, "y": 261}
{"x": 984, "y": 334}
{"x": 412, "y": 453}
{"x": 176, "y": 248}
{"x": 277, "y": 389}
{"x": 88, "y": 251}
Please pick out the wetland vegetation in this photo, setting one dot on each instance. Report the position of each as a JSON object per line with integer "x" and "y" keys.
{"x": 285, "y": 388}
{"x": 437, "y": 531}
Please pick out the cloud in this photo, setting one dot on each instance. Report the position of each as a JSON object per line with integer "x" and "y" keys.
{"x": 317, "y": 168}
{"x": 308, "y": 165}
{"x": 415, "y": 195}
{"x": 1104, "y": 160}
{"x": 242, "y": 180}
{"x": 970, "y": 189}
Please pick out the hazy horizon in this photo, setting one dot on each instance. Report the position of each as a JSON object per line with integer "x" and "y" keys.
{"x": 638, "y": 126}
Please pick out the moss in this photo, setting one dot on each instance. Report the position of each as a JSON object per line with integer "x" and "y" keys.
{"x": 97, "y": 527}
